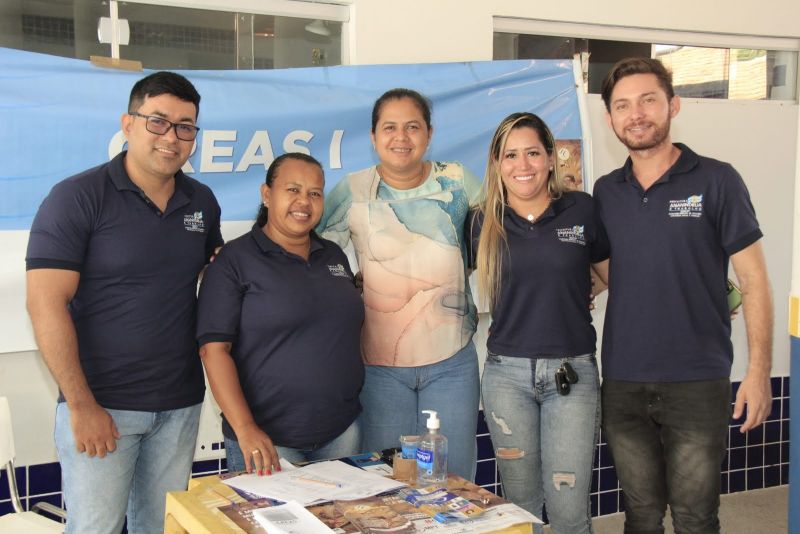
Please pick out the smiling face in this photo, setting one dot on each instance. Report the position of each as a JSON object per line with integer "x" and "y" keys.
{"x": 401, "y": 137}
{"x": 640, "y": 112}
{"x": 294, "y": 200}
{"x": 157, "y": 157}
{"x": 525, "y": 167}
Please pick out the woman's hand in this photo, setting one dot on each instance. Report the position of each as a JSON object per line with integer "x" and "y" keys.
{"x": 259, "y": 453}
{"x": 358, "y": 280}
{"x": 257, "y": 448}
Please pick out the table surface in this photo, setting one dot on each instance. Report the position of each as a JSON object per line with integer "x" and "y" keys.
{"x": 196, "y": 511}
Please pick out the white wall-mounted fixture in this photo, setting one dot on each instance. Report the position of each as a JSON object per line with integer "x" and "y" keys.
{"x": 106, "y": 30}
{"x": 113, "y": 30}
{"x": 318, "y": 27}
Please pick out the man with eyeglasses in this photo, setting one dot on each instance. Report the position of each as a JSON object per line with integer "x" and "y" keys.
{"x": 112, "y": 266}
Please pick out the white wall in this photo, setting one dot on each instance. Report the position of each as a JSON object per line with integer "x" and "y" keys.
{"x": 759, "y": 138}
{"x": 767, "y": 18}
{"x": 432, "y": 31}
{"x": 31, "y": 393}
{"x": 421, "y": 31}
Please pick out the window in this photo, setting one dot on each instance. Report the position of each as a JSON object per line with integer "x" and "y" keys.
{"x": 750, "y": 73}
{"x": 65, "y": 28}
{"x": 183, "y": 36}
{"x": 733, "y": 73}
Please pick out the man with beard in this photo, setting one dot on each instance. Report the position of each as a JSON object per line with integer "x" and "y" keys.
{"x": 674, "y": 220}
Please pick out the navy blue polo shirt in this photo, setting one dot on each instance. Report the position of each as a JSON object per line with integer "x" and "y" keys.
{"x": 295, "y": 326}
{"x": 135, "y": 307}
{"x": 543, "y": 306}
{"x": 667, "y": 318}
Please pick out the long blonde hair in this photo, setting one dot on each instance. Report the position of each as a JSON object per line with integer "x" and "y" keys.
{"x": 493, "y": 238}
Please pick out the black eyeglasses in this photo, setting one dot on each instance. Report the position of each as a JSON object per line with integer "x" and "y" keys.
{"x": 160, "y": 126}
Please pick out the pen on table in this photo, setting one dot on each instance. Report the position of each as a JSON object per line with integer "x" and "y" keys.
{"x": 320, "y": 482}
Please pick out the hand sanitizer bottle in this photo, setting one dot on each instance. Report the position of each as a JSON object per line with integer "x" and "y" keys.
{"x": 432, "y": 455}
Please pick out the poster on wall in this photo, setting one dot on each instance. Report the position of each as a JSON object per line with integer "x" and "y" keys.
{"x": 60, "y": 116}
{"x": 569, "y": 160}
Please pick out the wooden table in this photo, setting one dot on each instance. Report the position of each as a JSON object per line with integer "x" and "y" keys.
{"x": 195, "y": 511}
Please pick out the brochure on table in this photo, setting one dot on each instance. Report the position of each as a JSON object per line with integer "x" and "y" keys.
{"x": 315, "y": 483}
{"x": 290, "y": 518}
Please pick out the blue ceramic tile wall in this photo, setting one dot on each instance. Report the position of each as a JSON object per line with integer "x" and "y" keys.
{"x": 756, "y": 460}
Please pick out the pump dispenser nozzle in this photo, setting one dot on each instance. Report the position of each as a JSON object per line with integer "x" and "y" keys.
{"x": 433, "y": 419}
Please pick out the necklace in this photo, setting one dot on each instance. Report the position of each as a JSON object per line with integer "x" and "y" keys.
{"x": 533, "y": 218}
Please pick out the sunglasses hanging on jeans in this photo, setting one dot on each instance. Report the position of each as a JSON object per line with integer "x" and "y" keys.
{"x": 565, "y": 375}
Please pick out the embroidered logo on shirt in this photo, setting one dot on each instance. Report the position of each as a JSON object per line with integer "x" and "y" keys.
{"x": 193, "y": 222}
{"x": 691, "y": 207}
{"x": 338, "y": 270}
{"x": 573, "y": 234}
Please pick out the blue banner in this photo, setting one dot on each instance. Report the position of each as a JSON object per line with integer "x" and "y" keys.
{"x": 61, "y": 116}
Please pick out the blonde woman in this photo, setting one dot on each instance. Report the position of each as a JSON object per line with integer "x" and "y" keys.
{"x": 532, "y": 245}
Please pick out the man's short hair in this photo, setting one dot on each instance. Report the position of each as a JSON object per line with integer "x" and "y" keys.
{"x": 163, "y": 83}
{"x": 636, "y": 65}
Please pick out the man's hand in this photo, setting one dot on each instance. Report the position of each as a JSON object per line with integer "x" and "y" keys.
{"x": 755, "y": 391}
{"x": 49, "y": 293}
{"x": 94, "y": 430}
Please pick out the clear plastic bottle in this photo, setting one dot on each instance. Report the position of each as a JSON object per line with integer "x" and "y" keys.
{"x": 432, "y": 455}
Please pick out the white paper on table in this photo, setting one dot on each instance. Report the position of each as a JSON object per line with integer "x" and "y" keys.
{"x": 277, "y": 486}
{"x": 286, "y": 465}
{"x": 353, "y": 483}
{"x": 289, "y": 518}
{"x": 506, "y": 515}
{"x": 492, "y": 519}
{"x": 381, "y": 469}
{"x": 314, "y": 483}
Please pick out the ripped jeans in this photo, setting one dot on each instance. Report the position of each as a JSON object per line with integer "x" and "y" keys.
{"x": 544, "y": 442}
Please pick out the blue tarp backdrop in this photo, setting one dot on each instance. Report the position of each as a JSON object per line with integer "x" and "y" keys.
{"x": 60, "y": 116}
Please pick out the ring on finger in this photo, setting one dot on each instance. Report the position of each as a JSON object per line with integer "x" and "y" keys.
{"x": 255, "y": 451}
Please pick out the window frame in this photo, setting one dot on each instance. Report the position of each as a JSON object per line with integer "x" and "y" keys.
{"x": 328, "y": 10}
{"x": 653, "y": 36}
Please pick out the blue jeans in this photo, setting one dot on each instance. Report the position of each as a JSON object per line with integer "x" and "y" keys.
{"x": 668, "y": 441}
{"x": 393, "y": 397}
{"x": 153, "y": 456}
{"x": 345, "y": 444}
{"x": 544, "y": 442}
